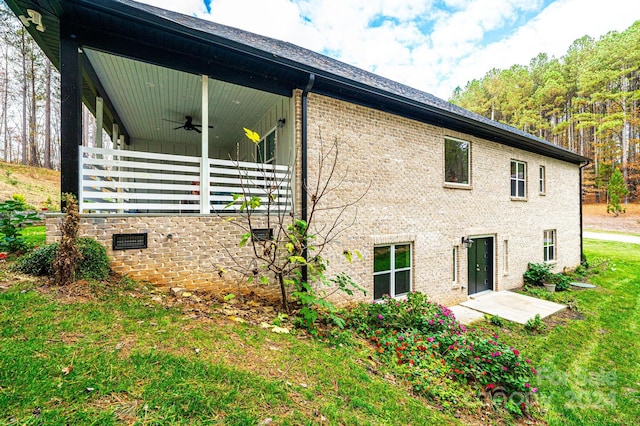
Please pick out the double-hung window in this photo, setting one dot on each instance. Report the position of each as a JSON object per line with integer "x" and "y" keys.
{"x": 543, "y": 183}
{"x": 518, "y": 179}
{"x": 391, "y": 270}
{"x": 550, "y": 245}
{"x": 456, "y": 162}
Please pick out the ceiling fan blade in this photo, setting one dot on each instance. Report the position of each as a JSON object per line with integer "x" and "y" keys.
{"x": 200, "y": 125}
{"x": 197, "y": 130}
{"x": 179, "y": 127}
{"x": 172, "y": 121}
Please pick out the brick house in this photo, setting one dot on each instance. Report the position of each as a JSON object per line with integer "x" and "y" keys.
{"x": 457, "y": 203}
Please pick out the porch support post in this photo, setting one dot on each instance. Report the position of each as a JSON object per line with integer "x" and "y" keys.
{"x": 70, "y": 112}
{"x": 99, "y": 121}
{"x": 205, "y": 195}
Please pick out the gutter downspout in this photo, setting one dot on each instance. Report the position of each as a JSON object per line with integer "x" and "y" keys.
{"x": 582, "y": 257}
{"x": 304, "y": 213}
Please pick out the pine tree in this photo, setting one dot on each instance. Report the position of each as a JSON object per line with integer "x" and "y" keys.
{"x": 617, "y": 191}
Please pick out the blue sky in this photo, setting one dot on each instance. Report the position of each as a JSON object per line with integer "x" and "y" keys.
{"x": 432, "y": 45}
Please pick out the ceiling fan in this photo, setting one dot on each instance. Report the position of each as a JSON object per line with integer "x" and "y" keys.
{"x": 188, "y": 124}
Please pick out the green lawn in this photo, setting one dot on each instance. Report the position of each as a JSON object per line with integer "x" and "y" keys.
{"x": 600, "y": 231}
{"x": 35, "y": 235}
{"x": 122, "y": 359}
{"x": 589, "y": 368}
{"x": 118, "y": 357}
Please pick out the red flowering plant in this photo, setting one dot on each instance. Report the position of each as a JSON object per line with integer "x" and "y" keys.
{"x": 414, "y": 312}
{"x": 428, "y": 345}
{"x": 503, "y": 374}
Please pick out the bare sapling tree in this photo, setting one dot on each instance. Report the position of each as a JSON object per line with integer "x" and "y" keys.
{"x": 290, "y": 249}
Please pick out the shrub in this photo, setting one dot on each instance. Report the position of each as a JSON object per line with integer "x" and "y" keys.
{"x": 39, "y": 261}
{"x": 535, "y": 324}
{"x": 537, "y": 273}
{"x": 561, "y": 281}
{"x": 13, "y": 218}
{"x": 496, "y": 320}
{"x": 414, "y": 312}
{"x": 414, "y": 332}
{"x": 94, "y": 263}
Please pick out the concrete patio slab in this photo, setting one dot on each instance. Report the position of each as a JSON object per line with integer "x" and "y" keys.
{"x": 512, "y": 306}
{"x": 466, "y": 315}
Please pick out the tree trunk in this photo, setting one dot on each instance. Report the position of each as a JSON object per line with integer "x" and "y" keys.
{"x": 33, "y": 157}
{"x": 47, "y": 119}
{"x": 283, "y": 291}
{"x": 5, "y": 104}
{"x": 24, "y": 97}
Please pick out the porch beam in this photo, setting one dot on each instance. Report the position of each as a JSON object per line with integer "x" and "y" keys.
{"x": 70, "y": 113}
{"x": 205, "y": 195}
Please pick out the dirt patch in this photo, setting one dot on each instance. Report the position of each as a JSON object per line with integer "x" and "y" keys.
{"x": 595, "y": 216}
{"x": 563, "y": 317}
{"x": 36, "y": 184}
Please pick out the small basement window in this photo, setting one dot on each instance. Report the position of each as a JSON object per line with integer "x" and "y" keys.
{"x": 391, "y": 270}
{"x": 550, "y": 245}
{"x": 128, "y": 241}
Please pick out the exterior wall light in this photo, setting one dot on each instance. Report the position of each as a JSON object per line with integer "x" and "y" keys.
{"x": 281, "y": 123}
{"x": 467, "y": 242}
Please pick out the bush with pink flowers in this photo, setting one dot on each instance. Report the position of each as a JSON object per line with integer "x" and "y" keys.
{"x": 426, "y": 340}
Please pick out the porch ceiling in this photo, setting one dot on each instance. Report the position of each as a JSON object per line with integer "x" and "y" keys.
{"x": 146, "y": 96}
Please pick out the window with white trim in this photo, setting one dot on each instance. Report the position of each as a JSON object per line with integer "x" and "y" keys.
{"x": 543, "y": 183}
{"x": 454, "y": 265}
{"x": 518, "y": 179}
{"x": 456, "y": 161}
{"x": 266, "y": 148}
{"x": 550, "y": 245}
{"x": 391, "y": 270}
{"x": 505, "y": 257}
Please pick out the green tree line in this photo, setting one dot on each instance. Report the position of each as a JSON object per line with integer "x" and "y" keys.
{"x": 587, "y": 101}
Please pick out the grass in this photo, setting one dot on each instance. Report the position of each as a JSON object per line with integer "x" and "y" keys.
{"x": 588, "y": 367}
{"x": 34, "y": 235}
{"x": 600, "y": 231}
{"x": 120, "y": 358}
{"x": 113, "y": 355}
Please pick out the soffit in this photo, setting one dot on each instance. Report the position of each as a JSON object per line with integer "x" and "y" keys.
{"x": 147, "y": 95}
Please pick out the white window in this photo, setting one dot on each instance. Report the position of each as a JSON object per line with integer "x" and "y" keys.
{"x": 454, "y": 265}
{"x": 456, "y": 161}
{"x": 391, "y": 270}
{"x": 266, "y": 148}
{"x": 550, "y": 245}
{"x": 518, "y": 179}
{"x": 543, "y": 184}
{"x": 505, "y": 256}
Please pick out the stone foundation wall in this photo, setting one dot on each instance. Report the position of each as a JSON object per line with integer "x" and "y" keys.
{"x": 187, "y": 251}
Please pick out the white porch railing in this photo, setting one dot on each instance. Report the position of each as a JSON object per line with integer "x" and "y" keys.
{"x": 120, "y": 181}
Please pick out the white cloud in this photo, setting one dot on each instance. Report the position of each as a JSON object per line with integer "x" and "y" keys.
{"x": 431, "y": 46}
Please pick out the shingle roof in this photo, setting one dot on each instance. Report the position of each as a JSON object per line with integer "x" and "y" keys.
{"x": 294, "y": 64}
{"x": 310, "y": 61}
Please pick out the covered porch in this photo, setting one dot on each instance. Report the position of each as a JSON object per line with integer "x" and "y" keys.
{"x": 177, "y": 144}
